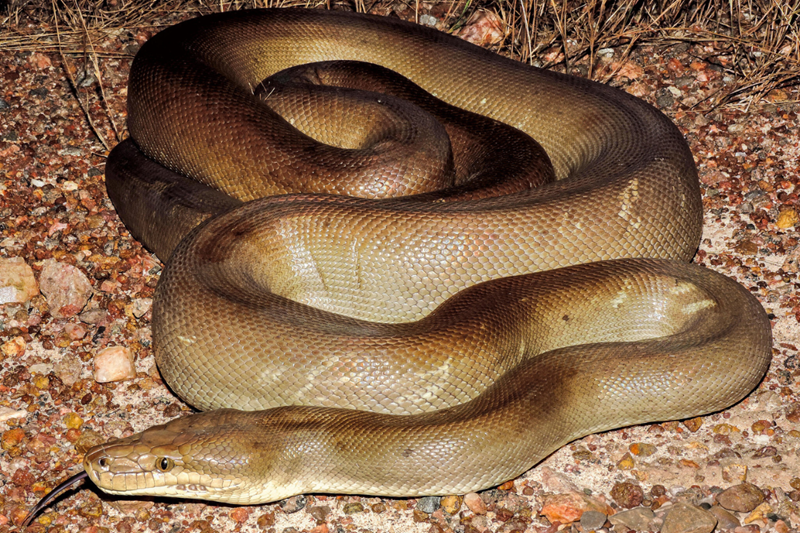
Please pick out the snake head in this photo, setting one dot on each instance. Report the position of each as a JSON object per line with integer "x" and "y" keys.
{"x": 205, "y": 456}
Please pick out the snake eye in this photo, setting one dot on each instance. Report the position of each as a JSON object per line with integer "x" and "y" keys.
{"x": 164, "y": 464}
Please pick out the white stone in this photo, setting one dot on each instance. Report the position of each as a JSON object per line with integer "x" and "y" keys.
{"x": 114, "y": 364}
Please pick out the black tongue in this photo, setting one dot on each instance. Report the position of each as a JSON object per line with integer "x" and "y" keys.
{"x": 67, "y": 484}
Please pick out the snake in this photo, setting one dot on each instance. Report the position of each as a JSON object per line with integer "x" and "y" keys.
{"x": 394, "y": 336}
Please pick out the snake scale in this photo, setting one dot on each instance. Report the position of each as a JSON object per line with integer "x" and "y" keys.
{"x": 435, "y": 343}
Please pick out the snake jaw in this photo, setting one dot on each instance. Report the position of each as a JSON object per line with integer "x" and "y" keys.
{"x": 152, "y": 474}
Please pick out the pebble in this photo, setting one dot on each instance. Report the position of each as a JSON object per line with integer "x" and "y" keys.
{"x": 665, "y": 100}
{"x": 65, "y": 287}
{"x": 591, "y": 520}
{"x": 734, "y": 472}
{"x": 353, "y": 508}
{"x": 266, "y": 520}
{"x": 569, "y": 507}
{"x": 94, "y": 315}
{"x": 17, "y": 282}
{"x": 293, "y": 504}
{"x": 13, "y": 348}
{"x": 759, "y": 513}
{"x": 742, "y": 498}
{"x": 451, "y": 504}
{"x": 686, "y": 518}
{"x": 725, "y": 519}
{"x": 639, "y": 519}
{"x": 319, "y": 512}
{"x": 693, "y": 424}
{"x": 642, "y": 449}
{"x": 429, "y": 504}
{"x": 475, "y": 503}
{"x": 626, "y": 463}
{"x": 787, "y": 218}
{"x": 141, "y": 306}
{"x": 114, "y": 364}
{"x": 68, "y": 369}
{"x": 427, "y": 20}
{"x": 240, "y": 515}
{"x": 627, "y": 495}
{"x": 7, "y": 413}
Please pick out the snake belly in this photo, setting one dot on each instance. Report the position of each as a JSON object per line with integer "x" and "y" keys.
{"x": 406, "y": 346}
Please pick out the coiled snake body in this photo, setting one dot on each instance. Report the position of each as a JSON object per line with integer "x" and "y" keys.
{"x": 359, "y": 332}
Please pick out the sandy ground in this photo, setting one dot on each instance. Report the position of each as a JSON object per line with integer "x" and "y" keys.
{"x": 53, "y": 205}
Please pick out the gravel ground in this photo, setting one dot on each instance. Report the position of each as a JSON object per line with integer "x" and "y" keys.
{"x": 55, "y": 214}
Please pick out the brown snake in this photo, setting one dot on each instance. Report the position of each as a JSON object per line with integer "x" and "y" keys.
{"x": 361, "y": 327}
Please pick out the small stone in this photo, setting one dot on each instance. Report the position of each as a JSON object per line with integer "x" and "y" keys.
{"x": 507, "y": 486}
{"x": 141, "y": 306}
{"x": 627, "y": 495}
{"x": 760, "y": 427}
{"x": 475, "y": 503}
{"x": 693, "y": 424}
{"x": 240, "y": 515}
{"x": 484, "y": 28}
{"x": 795, "y": 483}
{"x": 88, "y": 439}
{"x": 639, "y": 519}
{"x": 68, "y": 369}
{"x": 642, "y": 449}
{"x": 11, "y": 438}
{"x": 570, "y": 507}
{"x": 451, "y": 504}
{"x": 114, "y": 364}
{"x": 319, "y": 512}
{"x": 14, "y": 347}
{"x": 626, "y": 463}
{"x": 293, "y": 504}
{"x": 378, "y": 508}
{"x": 787, "y": 218}
{"x": 429, "y": 504}
{"x": 41, "y": 382}
{"x": 75, "y": 332}
{"x": 353, "y": 508}
{"x": 17, "y": 282}
{"x": 137, "y": 507}
{"x": 503, "y": 514}
{"x": 95, "y": 316}
{"x": 73, "y": 421}
{"x": 266, "y": 520}
{"x": 759, "y": 513}
{"x": 725, "y": 519}
{"x": 665, "y": 100}
{"x": 686, "y": 518}
{"x": 65, "y": 287}
{"x": 734, "y": 472}
{"x": 742, "y": 498}
{"x": 8, "y": 413}
{"x": 591, "y": 520}
{"x": 92, "y": 509}
{"x": 724, "y": 429}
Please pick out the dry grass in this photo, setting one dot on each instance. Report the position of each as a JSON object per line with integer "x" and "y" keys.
{"x": 756, "y": 41}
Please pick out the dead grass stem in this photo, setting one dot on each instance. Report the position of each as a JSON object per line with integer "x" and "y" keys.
{"x": 757, "y": 42}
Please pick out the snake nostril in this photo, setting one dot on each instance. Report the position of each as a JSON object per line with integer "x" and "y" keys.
{"x": 103, "y": 462}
